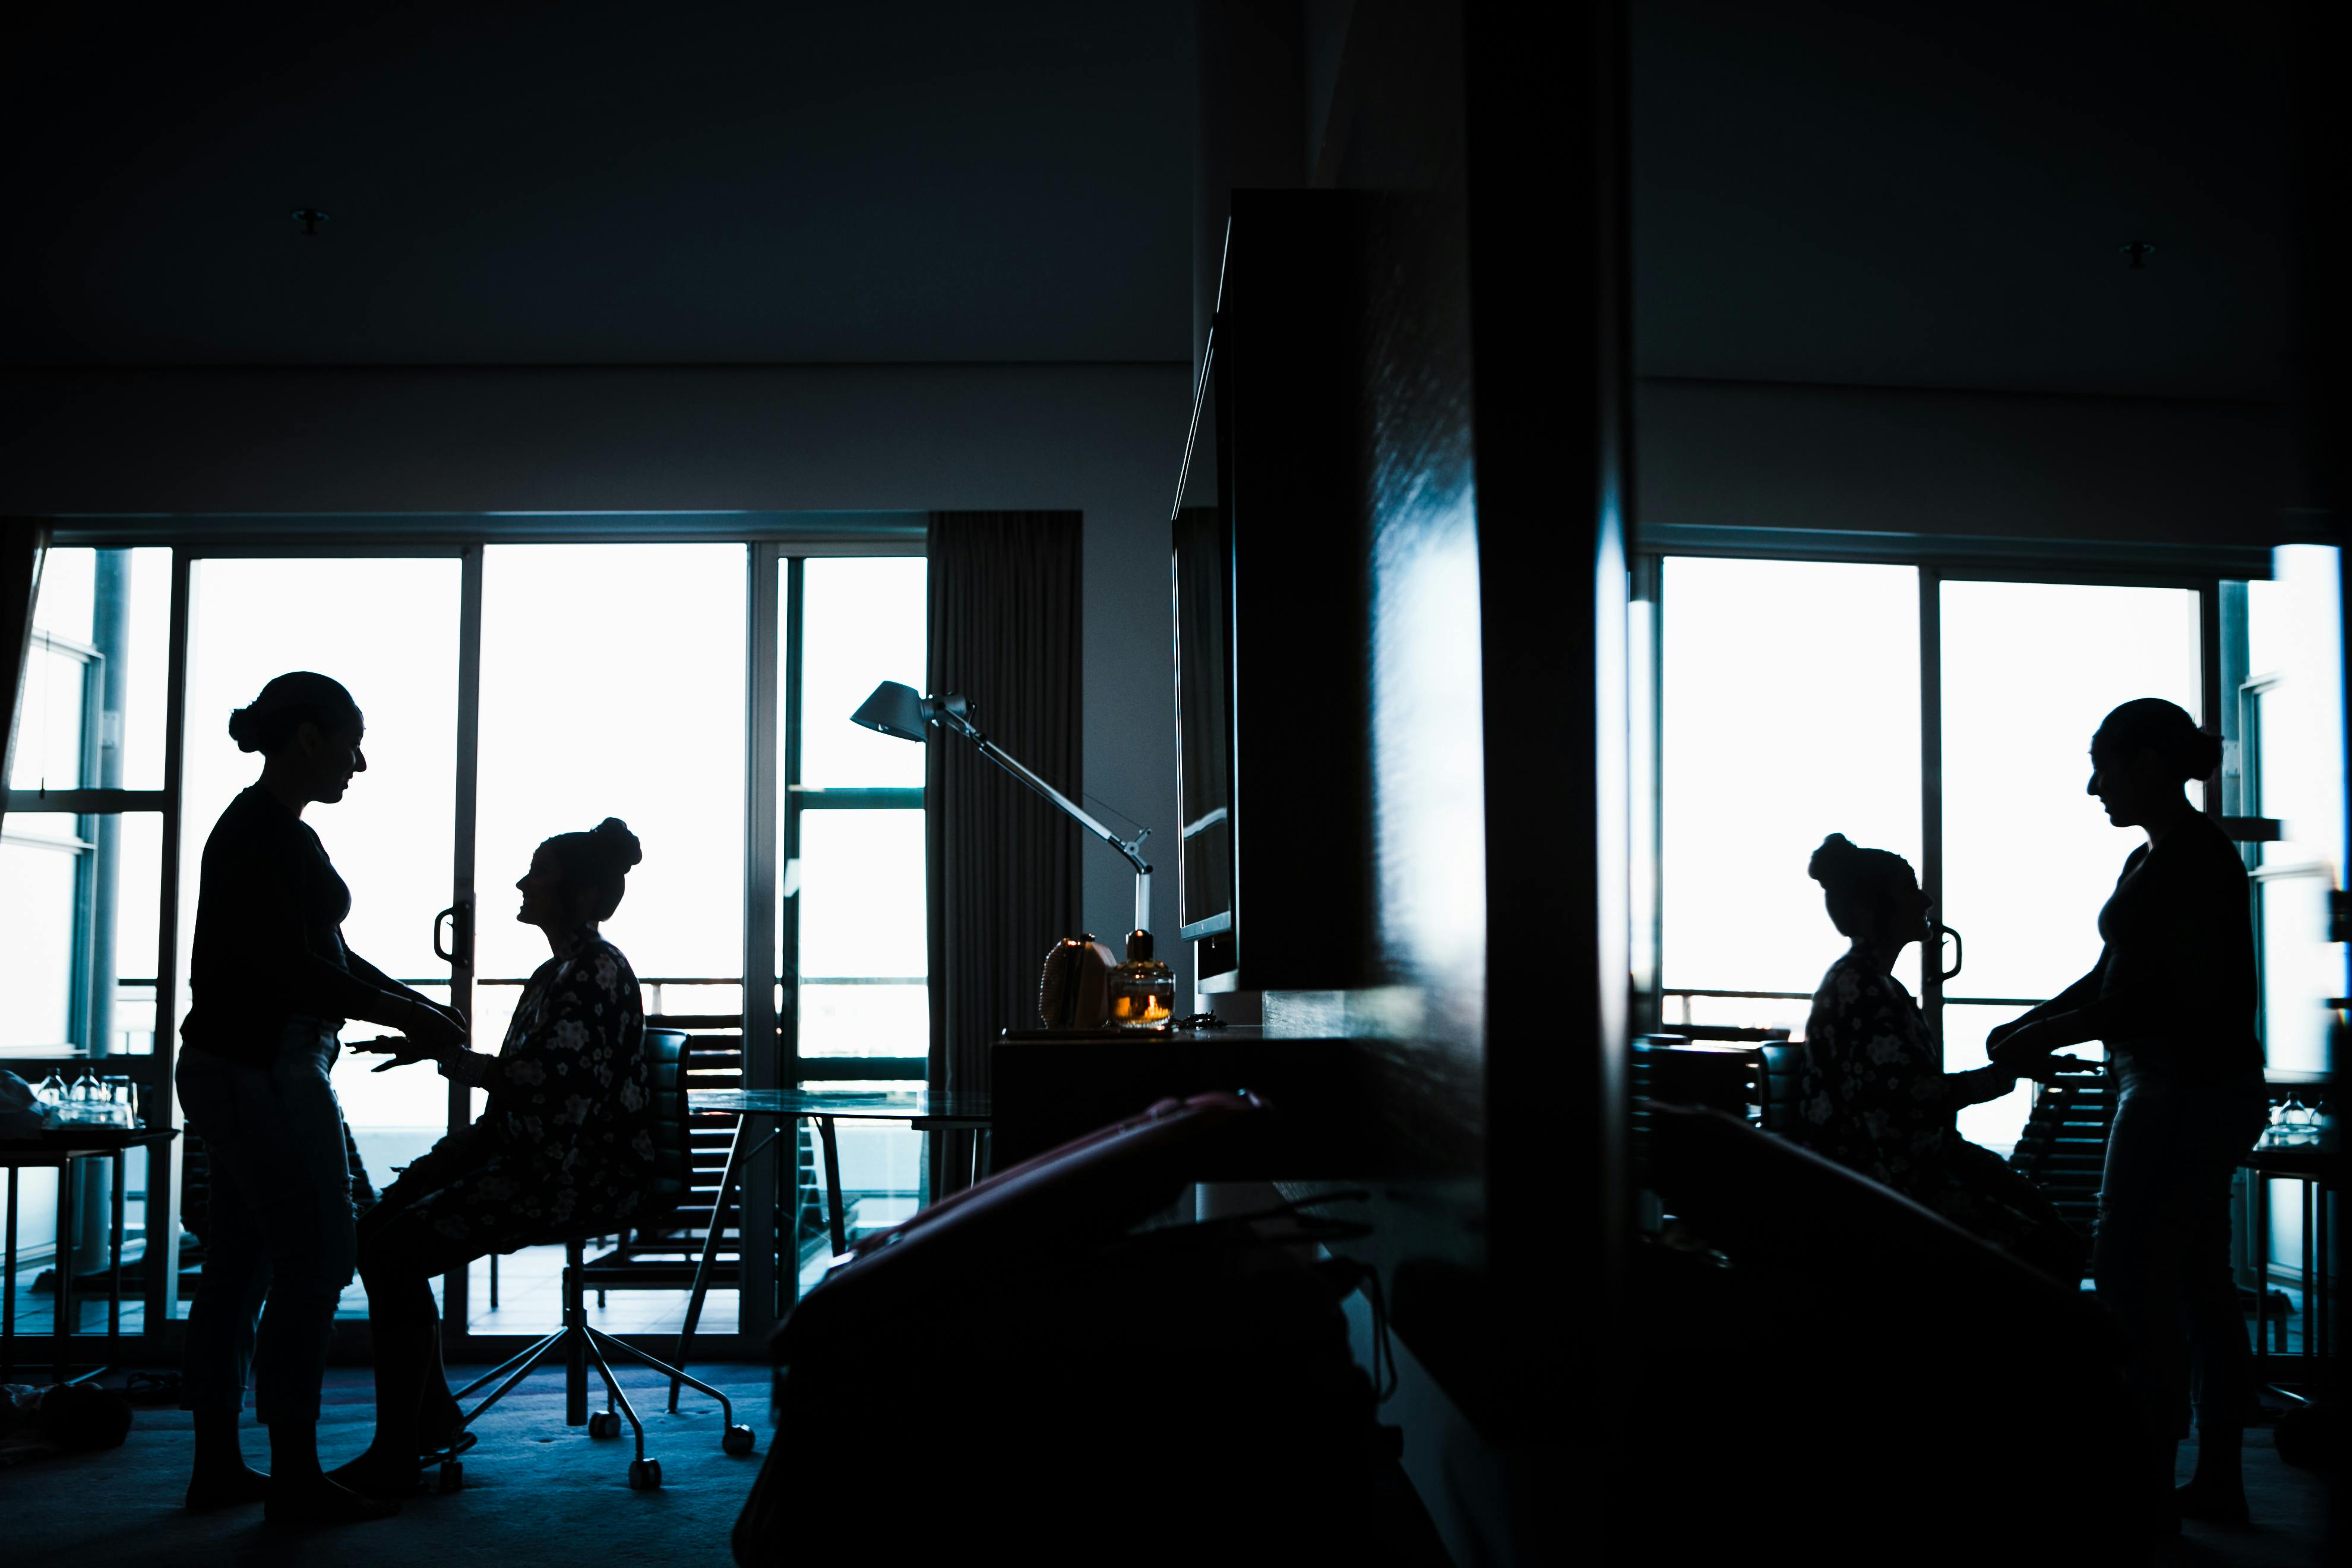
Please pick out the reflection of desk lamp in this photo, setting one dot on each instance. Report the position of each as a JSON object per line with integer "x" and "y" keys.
{"x": 896, "y": 709}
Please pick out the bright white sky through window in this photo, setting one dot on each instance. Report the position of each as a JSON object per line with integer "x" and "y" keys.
{"x": 1791, "y": 712}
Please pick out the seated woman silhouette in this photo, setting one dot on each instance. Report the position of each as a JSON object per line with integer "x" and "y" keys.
{"x": 1872, "y": 1092}
{"x": 564, "y": 1147}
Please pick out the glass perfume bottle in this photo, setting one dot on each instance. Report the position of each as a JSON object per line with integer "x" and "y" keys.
{"x": 1143, "y": 989}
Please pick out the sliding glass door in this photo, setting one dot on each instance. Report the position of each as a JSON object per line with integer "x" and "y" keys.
{"x": 388, "y": 629}
{"x": 2028, "y": 669}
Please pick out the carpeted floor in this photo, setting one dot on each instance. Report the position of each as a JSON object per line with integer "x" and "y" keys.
{"x": 536, "y": 1491}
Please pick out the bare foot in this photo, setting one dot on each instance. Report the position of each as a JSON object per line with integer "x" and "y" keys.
{"x": 323, "y": 1502}
{"x": 2214, "y": 1504}
{"x": 377, "y": 1474}
{"x": 225, "y": 1487}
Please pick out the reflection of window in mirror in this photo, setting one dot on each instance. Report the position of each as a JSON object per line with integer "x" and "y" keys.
{"x": 2291, "y": 771}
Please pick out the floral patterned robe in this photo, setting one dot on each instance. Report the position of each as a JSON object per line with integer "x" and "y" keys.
{"x": 566, "y": 1143}
{"x": 1873, "y": 1094}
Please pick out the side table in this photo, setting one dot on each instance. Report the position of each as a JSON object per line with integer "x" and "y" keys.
{"x": 57, "y": 1149}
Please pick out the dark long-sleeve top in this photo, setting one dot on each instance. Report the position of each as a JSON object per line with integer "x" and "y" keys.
{"x": 2173, "y": 991}
{"x": 1872, "y": 1092}
{"x": 269, "y": 944}
{"x": 571, "y": 1109}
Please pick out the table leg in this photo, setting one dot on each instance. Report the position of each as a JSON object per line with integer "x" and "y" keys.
{"x": 2312, "y": 1285}
{"x": 8, "y": 1308}
{"x": 114, "y": 1258}
{"x": 836, "y": 1212}
{"x": 61, "y": 1299}
{"x": 2262, "y": 1278}
{"x": 2325, "y": 1317}
{"x": 726, "y": 1180}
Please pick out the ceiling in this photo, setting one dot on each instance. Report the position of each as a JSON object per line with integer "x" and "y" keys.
{"x": 1904, "y": 194}
{"x": 1865, "y": 192}
{"x": 599, "y": 184}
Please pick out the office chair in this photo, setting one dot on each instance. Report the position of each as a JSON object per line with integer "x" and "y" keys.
{"x": 585, "y": 1345}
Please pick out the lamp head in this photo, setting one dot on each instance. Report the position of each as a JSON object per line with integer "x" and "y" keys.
{"x": 895, "y": 709}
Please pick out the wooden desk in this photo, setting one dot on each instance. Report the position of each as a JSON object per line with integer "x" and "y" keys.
{"x": 59, "y": 1149}
{"x": 1336, "y": 1114}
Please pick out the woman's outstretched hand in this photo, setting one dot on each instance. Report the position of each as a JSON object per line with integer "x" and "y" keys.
{"x": 2020, "y": 1045}
{"x": 436, "y": 1030}
{"x": 403, "y": 1051}
{"x": 2058, "y": 1069}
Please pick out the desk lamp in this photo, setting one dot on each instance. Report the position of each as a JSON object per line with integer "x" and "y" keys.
{"x": 898, "y": 709}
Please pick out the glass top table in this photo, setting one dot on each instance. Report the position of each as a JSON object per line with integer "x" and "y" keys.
{"x": 921, "y": 1108}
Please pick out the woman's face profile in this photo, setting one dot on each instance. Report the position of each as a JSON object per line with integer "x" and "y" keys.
{"x": 2125, "y": 785}
{"x": 330, "y": 757}
{"x": 541, "y": 888}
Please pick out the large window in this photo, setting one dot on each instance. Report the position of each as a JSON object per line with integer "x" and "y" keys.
{"x": 1945, "y": 718}
{"x": 511, "y": 691}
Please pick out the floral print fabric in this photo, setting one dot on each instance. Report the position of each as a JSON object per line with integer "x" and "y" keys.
{"x": 1872, "y": 1095}
{"x": 566, "y": 1142}
{"x": 1871, "y": 1087}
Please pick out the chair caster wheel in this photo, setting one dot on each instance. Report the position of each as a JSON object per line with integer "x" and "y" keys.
{"x": 644, "y": 1475}
{"x": 737, "y": 1441}
{"x": 605, "y": 1423}
{"x": 453, "y": 1478}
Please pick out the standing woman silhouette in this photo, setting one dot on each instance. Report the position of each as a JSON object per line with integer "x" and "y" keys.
{"x": 2173, "y": 998}
{"x": 272, "y": 983}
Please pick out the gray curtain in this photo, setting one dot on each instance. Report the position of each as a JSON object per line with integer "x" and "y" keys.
{"x": 1005, "y": 616}
{"x": 22, "y": 545}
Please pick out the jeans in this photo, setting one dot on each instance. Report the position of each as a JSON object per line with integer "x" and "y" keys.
{"x": 2161, "y": 1258}
{"x": 282, "y": 1245}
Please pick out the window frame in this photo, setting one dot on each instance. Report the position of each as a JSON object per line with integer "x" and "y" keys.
{"x": 2204, "y": 571}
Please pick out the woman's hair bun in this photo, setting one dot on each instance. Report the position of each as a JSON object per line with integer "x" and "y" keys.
{"x": 2150, "y": 723}
{"x": 299, "y": 697}
{"x": 614, "y": 838}
{"x": 1836, "y": 853}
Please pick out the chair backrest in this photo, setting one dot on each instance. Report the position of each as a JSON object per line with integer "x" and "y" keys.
{"x": 1777, "y": 1085}
{"x": 666, "y": 1048}
{"x": 2063, "y": 1148}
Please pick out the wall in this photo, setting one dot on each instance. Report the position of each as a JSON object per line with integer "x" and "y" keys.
{"x": 1884, "y": 459}
{"x": 1103, "y": 439}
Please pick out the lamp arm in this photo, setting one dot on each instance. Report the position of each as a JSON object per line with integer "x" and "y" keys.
{"x": 1132, "y": 848}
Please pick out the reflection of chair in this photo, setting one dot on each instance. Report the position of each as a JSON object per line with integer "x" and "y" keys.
{"x": 2063, "y": 1148}
{"x": 584, "y": 1344}
{"x": 1776, "y": 1085}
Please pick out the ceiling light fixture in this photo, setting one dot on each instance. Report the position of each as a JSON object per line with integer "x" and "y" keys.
{"x": 2139, "y": 250}
{"x": 309, "y": 218}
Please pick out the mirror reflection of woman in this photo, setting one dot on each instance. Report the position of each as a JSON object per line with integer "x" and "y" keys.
{"x": 2173, "y": 998}
{"x": 564, "y": 1147}
{"x": 1872, "y": 1092}
{"x": 272, "y": 983}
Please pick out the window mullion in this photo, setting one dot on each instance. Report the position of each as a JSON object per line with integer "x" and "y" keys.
{"x": 1931, "y": 789}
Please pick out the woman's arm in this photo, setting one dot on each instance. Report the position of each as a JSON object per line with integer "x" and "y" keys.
{"x": 410, "y": 1021}
{"x": 1958, "y": 1090}
{"x": 2075, "y": 996}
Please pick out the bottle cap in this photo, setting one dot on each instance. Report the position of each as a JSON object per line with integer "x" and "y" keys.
{"x": 1138, "y": 946}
